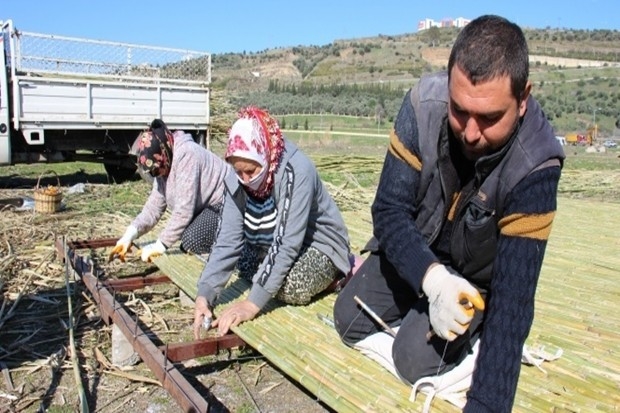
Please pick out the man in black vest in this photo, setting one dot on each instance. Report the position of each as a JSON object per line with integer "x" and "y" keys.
{"x": 461, "y": 218}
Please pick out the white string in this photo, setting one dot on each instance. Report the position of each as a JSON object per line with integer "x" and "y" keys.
{"x": 325, "y": 369}
{"x": 445, "y": 348}
{"x": 352, "y": 321}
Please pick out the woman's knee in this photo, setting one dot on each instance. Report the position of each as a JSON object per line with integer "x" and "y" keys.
{"x": 310, "y": 275}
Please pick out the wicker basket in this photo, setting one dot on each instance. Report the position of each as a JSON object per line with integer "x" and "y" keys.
{"x": 47, "y": 199}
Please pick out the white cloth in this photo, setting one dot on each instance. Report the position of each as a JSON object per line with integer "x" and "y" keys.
{"x": 245, "y": 141}
{"x": 450, "y": 386}
{"x": 378, "y": 347}
{"x": 536, "y": 355}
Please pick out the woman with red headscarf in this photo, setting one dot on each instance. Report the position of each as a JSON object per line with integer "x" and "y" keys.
{"x": 188, "y": 180}
{"x": 280, "y": 227}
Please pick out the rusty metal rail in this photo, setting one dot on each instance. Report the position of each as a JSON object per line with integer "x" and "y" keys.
{"x": 159, "y": 359}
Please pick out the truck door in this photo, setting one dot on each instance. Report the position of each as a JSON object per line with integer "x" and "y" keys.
{"x": 5, "y": 138}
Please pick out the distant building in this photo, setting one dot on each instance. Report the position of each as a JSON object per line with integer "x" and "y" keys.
{"x": 447, "y": 22}
{"x": 427, "y": 24}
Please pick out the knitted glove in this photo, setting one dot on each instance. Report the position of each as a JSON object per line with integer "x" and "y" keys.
{"x": 451, "y": 302}
{"x": 153, "y": 250}
{"x": 124, "y": 243}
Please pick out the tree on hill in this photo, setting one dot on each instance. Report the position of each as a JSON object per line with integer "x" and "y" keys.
{"x": 433, "y": 34}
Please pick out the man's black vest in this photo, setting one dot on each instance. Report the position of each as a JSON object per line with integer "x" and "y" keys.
{"x": 475, "y": 231}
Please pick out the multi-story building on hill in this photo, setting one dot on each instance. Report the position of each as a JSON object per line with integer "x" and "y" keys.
{"x": 446, "y": 22}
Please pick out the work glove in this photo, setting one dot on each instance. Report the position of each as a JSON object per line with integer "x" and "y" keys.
{"x": 451, "y": 300}
{"x": 153, "y": 250}
{"x": 124, "y": 243}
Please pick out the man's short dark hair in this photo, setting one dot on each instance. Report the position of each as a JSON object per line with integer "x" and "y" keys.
{"x": 489, "y": 47}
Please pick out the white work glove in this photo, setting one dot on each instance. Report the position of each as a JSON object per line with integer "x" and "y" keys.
{"x": 124, "y": 243}
{"x": 451, "y": 302}
{"x": 152, "y": 250}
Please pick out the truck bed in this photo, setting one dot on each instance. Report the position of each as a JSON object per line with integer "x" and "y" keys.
{"x": 80, "y": 103}
{"x": 70, "y": 83}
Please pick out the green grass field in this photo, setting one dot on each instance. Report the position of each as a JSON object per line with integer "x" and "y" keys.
{"x": 342, "y": 158}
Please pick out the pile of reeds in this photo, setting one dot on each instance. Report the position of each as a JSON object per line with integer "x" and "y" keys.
{"x": 37, "y": 322}
{"x": 48, "y": 324}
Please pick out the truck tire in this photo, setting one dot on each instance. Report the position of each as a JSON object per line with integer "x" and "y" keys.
{"x": 120, "y": 174}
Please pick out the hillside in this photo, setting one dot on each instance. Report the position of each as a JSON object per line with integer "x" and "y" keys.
{"x": 560, "y": 60}
{"x": 396, "y": 58}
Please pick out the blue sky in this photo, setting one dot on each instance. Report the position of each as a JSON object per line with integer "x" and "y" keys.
{"x": 222, "y": 26}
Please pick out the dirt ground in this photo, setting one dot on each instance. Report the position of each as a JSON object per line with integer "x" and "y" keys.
{"x": 43, "y": 370}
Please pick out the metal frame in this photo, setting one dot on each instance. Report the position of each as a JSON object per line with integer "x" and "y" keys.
{"x": 159, "y": 359}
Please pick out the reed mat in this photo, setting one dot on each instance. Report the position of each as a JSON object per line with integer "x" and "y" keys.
{"x": 577, "y": 306}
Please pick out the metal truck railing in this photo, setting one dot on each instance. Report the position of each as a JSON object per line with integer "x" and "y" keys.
{"x": 71, "y": 56}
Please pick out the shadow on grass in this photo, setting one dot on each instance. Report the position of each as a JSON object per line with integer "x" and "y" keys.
{"x": 25, "y": 181}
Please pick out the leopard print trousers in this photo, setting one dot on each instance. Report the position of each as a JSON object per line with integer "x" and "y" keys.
{"x": 311, "y": 273}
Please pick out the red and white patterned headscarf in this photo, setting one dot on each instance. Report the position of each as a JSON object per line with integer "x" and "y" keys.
{"x": 256, "y": 136}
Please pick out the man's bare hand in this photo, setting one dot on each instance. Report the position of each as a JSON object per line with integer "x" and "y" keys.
{"x": 201, "y": 312}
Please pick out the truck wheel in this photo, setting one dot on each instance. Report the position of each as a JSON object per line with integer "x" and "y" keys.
{"x": 120, "y": 174}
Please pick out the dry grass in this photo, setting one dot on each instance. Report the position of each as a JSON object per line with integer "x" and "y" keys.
{"x": 35, "y": 347}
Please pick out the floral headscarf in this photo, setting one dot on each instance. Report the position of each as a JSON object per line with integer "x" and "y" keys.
{"x": 155, "y": 149}
{"x": 256, "y": 136}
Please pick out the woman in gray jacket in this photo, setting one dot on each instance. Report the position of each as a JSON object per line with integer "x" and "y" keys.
{"x": 280, "y": 227}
